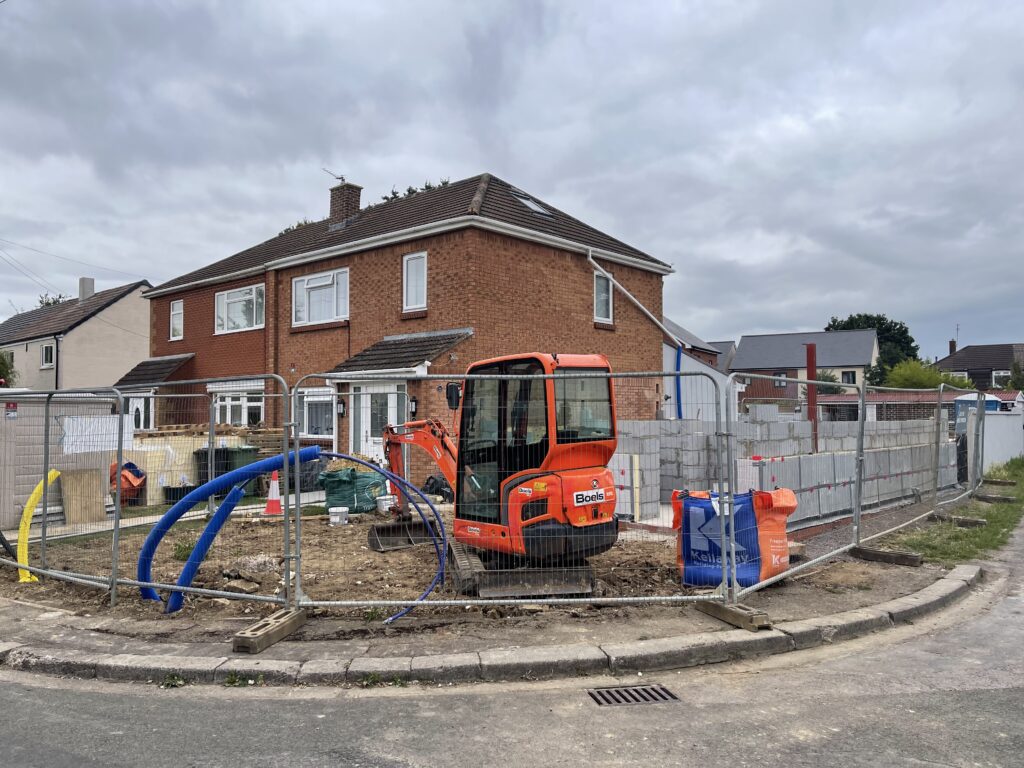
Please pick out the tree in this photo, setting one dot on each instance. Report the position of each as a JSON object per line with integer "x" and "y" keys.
{"x": 1016, "y": 377}
{"x": 895, "y": 344}
{"x": 913, "y": 374}
{"x": 46, "y": 300}
{"x": 8, "y": 376}
{"x": 823, "y": 389}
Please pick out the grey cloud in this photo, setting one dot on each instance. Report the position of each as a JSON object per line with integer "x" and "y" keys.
{"x": 793, "y": 160}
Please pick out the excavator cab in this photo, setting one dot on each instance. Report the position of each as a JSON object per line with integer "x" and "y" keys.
{"x": 530, "y": 473}
{"x": 532, "y": 476}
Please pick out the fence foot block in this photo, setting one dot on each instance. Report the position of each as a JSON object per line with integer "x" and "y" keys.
{"x": 266, "y": 632}
{"x": 797, "y": 550}
{"x": 957, "y": 520}
{"x": 994, "y": 498}
{"x": 739, "y": 615}
{"x": 896, "y": 557}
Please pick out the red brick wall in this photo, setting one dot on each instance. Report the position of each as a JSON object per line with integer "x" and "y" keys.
{"x": 516, "y": 295}
{"x": 765, "y": 390}
{"x": 708, "y": 358}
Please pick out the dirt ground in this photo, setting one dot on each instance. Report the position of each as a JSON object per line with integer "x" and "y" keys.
{"x": 338, "y": 565}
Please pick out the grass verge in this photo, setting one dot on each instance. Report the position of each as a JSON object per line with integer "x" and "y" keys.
{"x": 948, "y": 544}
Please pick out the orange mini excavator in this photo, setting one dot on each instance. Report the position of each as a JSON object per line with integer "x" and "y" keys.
{"x": 533, "y": 493}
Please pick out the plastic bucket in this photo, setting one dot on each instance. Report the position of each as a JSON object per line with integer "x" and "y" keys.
{"x": 337, "y": 516}
{"x": 385, "y": 502}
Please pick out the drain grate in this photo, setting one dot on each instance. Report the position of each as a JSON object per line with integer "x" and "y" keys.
{"x": 631, "y": 694}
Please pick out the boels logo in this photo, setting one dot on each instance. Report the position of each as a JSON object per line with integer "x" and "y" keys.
{"x": 584, "y": 498}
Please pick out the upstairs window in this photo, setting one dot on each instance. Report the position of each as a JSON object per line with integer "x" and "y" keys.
{"x": 240, "y": 310}
{"x": 602, "y": 299}
{"x": 780, "y": 380}
{"x": 1000, "y": 379}
{"x": 414, "y": 282}
{"x": 320, "y": 298}
{"x": 177, "y": 323}
{"x": 849, "y": 377}
{"x": 46, "y": 356}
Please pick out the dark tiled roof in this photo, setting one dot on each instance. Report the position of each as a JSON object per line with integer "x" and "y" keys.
{"x": 485, "y": 196}
{"x": 691, "y": 340}
{"x": 405, "y": 351}
{"x": 787, "y": 350}
{"x": 998, "y": 357}
{"x": 61, "y": 318}
{"x": 153, "y": 371}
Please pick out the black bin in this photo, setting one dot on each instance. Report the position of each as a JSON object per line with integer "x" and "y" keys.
{"x": 221, "y": 463}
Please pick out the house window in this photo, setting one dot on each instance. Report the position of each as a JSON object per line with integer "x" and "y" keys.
{"x": 240, "y": 409}
{"x": 320, "y": 298}
{"x": 316, "y": 412}
{"x": 602, "y": 299}
{"x": 1000, "y": 379}
{"x": 46, "y": 356}
{"x": 177, "y": 320}
{"x": 780, "y": 379}
{"x": 849, "y": 377}
{"x": 414, "y": 282}
{"x": 240, "y": 309}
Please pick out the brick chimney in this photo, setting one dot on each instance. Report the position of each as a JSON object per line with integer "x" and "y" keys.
{"x": 952, "y": 346}
{"x": 86, "y": 288}
{"x": 344, "y": 202}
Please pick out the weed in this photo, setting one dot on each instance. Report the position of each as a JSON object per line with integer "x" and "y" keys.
{"x": 399, "y": 682}
{"x": 183, "y": 548}
{"x": 373, "y": 614}
{"x": 233, "y": 680}
{"x": 173, "y": 680}
{"x": 371, "y": 680}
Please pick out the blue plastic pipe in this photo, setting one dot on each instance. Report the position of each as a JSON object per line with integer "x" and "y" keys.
{"x": 439, "y": 545}
{"x": 679, "y": 382}
{"x": 217, "y": 485}
{"x": 175, "y": 599}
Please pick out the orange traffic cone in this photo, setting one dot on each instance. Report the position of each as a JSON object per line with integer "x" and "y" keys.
{"x": 273, "y": 497}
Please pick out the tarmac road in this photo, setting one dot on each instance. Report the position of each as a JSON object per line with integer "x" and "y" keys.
{"x": 946, "y": 691}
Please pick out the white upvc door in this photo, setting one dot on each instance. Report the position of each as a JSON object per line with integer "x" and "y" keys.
{"x": 374, "y": 406}
{"x": 141, "y": 411}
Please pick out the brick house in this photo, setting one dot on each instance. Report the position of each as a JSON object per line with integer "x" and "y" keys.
{"x": 783, "y": 356}
{"x": 426, "y": 283}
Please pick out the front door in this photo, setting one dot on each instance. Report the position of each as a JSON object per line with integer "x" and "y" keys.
{"x": 374, "y": 406}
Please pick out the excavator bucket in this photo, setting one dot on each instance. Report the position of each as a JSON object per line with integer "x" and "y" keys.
{"x": 468, "y": 576}
{"x": 386, "y": 537}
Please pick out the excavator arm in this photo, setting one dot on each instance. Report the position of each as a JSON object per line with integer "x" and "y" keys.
{"x": 431, "y": 436}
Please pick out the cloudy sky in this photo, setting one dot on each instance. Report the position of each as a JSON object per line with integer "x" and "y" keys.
{"x": 792, "y": 160}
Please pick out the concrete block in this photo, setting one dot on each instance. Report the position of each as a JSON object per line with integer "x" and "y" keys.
{"x": 272, "y": 671}
{"x": 695, "y": 650}
{"x": 450, "y": 667}
{"x": 971, "y": 574}
{"x": 323, "y": 672}
{"x": 64, "y": 662}
{"x": 840, "y": 626}
{"x": 128, "y": 666}
{"x": 385, "y": 668}
{"x": 542, "y": 661}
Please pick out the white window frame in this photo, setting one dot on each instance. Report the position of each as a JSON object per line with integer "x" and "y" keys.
{"x": 406, "y": 306}
{"x": 43, "y": 365}
{"x": 781, "y": 379}
{"x": 216, "y": 309}
{"x": 611, "y": 300}
{"x": 318, "y": 395}
{"x": 180, "y": 311}
{"x": 1007, "y": 374}
{"x": 339, "y": 313}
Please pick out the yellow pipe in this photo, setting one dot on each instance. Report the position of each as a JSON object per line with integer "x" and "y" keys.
{"x": 26, "y": 524}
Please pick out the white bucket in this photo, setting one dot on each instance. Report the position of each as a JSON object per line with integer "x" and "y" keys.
{"x": 385, "y": 502}
{"x": 337, "y": 516}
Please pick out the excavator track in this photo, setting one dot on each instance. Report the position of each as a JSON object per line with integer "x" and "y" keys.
{"x": 468, "y": 575}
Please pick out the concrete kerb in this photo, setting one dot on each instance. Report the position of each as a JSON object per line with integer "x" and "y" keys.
{"x": 503, "y": 664}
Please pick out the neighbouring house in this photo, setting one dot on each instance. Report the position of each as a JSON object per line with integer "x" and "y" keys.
{"x": 783, "y": 356}
{"x": 893, "y": 405}
{"x": 88, "y": 341}
{"x": 726, "y": 353}
{"x": 697, "y": 392}
{"x": 988, "y": 366}
{"x": 429, "y": 282}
